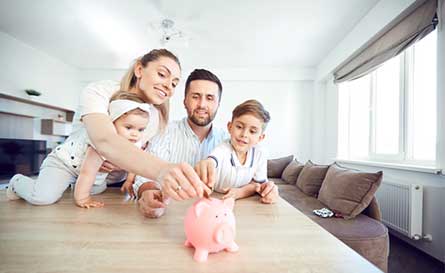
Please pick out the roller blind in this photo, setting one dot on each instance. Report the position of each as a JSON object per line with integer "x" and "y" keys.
{"x": 405, "y": 31}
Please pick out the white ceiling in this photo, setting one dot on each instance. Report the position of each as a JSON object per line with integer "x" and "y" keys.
{"x": 108, "y": 34}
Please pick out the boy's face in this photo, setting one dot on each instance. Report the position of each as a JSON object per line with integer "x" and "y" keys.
{"x": 245, "y": 131}
{"x": 131, "y": 126}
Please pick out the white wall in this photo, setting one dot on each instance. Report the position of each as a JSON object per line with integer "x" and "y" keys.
{"x": 325, "y": 125}
{"x": 24, "y": 67}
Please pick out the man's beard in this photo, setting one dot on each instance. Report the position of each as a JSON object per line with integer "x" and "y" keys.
{"x": 202, "y": 122}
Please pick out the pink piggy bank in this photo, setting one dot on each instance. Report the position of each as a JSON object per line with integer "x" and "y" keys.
{"x": 210, "y": 227}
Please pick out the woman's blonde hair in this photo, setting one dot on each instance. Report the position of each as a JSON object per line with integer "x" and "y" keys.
{"x": 129, "y": 80}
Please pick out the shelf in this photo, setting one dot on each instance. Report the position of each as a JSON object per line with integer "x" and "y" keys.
{"x": 56, "y": 127}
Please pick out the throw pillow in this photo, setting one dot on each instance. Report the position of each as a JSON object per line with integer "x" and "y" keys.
{"x": 348, "y": 191}
{"x": 292, "y": 171}
{"x": 311, "y": 177}
{"x": 276, "y": 166}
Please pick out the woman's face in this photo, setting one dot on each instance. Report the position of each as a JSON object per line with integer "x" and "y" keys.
{"x": 157, "y": 80}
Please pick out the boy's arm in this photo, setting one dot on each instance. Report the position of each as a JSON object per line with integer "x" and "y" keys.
{"x": 242, "y": 192}
{"x": 87, "y": 176}
{"x": 128, "y": 184}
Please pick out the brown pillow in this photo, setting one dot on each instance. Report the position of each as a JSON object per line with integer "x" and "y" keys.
{"x": 292, "y": 171}
{"x": 276, "y": 166}
{"x": 348, "y": 191}
{"x": 310, "y": 179}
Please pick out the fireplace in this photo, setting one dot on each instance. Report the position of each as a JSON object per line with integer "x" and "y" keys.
{"x": 21, "y": 156}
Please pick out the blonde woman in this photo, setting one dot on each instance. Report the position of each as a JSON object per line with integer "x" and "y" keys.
{"x": 153, "y": 77}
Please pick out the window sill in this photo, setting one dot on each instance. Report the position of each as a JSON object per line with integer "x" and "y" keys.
{"x": 407, "y": 167}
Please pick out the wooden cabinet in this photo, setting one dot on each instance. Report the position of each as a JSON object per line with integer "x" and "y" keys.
{"x": 56, "y": 127}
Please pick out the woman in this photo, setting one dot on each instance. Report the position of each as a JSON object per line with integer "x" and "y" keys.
{"x": 153, "y": 77}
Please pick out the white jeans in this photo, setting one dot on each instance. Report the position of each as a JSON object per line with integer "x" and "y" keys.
{"x": 54, "y": 178}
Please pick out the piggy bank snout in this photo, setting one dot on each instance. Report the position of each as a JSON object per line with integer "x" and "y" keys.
{"x": 224, "y": 234}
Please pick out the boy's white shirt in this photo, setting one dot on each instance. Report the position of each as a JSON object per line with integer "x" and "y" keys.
{"x": 230, "y": 173}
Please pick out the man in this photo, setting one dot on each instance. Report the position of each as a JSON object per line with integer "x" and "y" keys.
{"x": 188, "y": 140}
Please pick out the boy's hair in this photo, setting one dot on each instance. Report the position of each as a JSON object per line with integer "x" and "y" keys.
{"x": 254, "y": 108}
{"x": 124, "y": 95}
{"x": 202, "y": 74}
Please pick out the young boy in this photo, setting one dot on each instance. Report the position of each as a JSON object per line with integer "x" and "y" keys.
{"x": 241, "y": 165}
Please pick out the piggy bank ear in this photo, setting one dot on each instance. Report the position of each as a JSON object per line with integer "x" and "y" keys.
{"x": 230, "y": 202}
{"x": 200, "y": 207}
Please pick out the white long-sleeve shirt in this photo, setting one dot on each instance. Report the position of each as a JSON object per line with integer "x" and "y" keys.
{"x": 180, "y": 144}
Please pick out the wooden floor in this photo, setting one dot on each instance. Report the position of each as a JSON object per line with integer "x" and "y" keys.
{"x": 117, "y": 238}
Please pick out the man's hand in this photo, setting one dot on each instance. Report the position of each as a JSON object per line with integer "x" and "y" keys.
{"x": 206, "y": 171}
{"x": 234, "y": 193}
{"x": 268, "y": 191}
{"x": 108, "y": 167}
{"x": 152, "y": 203}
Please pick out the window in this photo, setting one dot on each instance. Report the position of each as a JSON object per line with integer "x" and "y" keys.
{"x": 389, "y": 115}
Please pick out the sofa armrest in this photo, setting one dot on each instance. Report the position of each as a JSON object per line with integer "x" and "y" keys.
{"x": 373, "y": 210}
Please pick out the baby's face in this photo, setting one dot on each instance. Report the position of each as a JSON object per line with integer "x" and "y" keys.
{"x": 245, "y": 132}
{"x": 131, "y": 126}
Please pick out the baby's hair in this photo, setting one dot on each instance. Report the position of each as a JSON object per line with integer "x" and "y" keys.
{"x": 252, "y": 107}
{"x": 124, "y": 95}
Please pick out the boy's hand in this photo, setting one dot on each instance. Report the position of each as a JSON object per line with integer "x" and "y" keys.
{"x": 232, "y": 192}
{"x": 89, "y": 203}
{"x": 206, "y": 171}
{"x": 268, "y": 191}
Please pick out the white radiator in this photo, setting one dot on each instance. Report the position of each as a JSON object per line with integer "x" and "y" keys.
{"x": 401, "y": 207}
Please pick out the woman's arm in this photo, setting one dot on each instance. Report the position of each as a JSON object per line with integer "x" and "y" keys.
{"x": 127, "y": 156}
{"x": 118, "y": 150}
{"x": 88, "y": 170}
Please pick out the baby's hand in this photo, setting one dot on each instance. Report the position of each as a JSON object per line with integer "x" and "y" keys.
{"x": 128, "y": 187}
{"x": 231, "y": 192}
{"x": 89, "y": 203}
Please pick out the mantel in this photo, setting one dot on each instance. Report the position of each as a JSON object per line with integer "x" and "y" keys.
{"x": 30, "y": 101}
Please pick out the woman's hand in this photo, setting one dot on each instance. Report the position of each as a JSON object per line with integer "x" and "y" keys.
{"x": 108, "y": 167}
{"x": 268, "y": 191}
{"x": 180, "y": 182}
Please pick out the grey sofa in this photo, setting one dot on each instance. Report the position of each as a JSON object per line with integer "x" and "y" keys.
{"x": 347, "y": 192}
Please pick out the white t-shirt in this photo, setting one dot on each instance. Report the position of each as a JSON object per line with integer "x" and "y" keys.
{"x": 230, "y": 173}
{"x": 95, "y": 98}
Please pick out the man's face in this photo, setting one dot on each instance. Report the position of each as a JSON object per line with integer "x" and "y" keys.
{"x": 202, "y": 102}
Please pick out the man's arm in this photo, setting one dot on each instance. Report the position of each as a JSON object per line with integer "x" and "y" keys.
{"x": 88, "y": 170}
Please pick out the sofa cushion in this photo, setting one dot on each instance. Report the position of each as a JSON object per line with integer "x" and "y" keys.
{"x": 291, "y": 172}
{"x": 348, "y": 191}
{"x": 276, "y": 166}
{"x": 311, "y": 178}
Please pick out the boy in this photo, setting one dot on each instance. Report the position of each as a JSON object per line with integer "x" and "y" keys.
{"x": 240, "y": 165}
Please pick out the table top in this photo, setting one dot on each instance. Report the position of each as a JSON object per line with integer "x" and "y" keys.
{"x": 117, "y": 238}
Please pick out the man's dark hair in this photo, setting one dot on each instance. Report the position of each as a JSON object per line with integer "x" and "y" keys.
{"x": 202, "y": 74}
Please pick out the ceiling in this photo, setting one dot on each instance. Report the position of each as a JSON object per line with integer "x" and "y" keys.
{"x": 108, "y": 34}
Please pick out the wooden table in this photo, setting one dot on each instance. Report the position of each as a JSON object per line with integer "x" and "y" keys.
{"x": 117, "y": 238}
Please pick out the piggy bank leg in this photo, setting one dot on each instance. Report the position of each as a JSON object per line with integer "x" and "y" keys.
{"x": 201, "y": 255}
{"x": 188, "y": 244}
{"x": 233, "y": 247}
